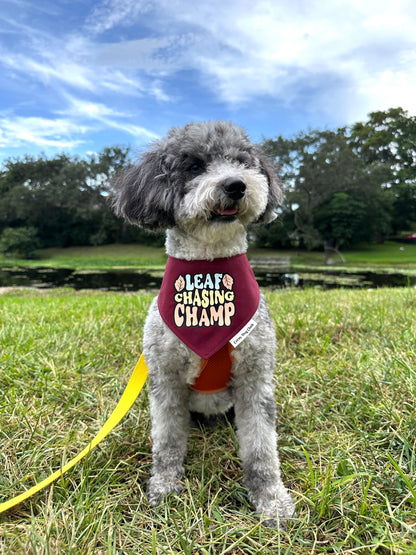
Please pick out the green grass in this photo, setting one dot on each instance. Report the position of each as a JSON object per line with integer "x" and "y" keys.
{"x": 103, "y": 257}
{"x": 389, "y": 255}
{"x": 346, "y": 385}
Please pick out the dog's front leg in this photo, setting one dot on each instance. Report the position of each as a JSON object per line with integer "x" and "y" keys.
{"x": 255, "y": 414}
{"x": 170, "y": 425}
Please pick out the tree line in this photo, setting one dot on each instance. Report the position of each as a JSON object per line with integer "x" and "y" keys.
{"x": 62, "y": 202}
{"x": 348, "y": 185}
{"x": 342, "y": 187}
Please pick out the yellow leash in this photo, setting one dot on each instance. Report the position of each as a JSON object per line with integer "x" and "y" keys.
{"x": 130, "y": 394}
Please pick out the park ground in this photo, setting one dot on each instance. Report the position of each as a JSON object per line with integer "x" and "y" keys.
{"x": 346, "y": 397}
{"x": 385, "y": 256}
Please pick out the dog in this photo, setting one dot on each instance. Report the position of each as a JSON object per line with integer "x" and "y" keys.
{"x": 204, "y": 184}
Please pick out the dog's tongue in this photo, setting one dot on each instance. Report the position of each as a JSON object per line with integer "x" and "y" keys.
{"x": 228, "y": 211}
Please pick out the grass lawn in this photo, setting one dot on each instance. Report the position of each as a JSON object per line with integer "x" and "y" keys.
{"x": 387, "y": 256}
{"x": 103, "y": 257}
{"x": 346, "y": 386}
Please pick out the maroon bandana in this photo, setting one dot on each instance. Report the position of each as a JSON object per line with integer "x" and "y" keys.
{"x": 206, "y": 303}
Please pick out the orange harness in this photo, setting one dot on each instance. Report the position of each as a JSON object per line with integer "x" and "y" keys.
{"x": 215, "y": 371}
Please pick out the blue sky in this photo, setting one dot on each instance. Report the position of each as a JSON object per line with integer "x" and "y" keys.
{"x": 79, "y": 75}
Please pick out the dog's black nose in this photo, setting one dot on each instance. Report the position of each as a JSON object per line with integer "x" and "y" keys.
{"x": 234, "y": 188}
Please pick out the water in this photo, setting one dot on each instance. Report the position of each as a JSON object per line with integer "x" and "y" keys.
{"x": 46, "y": 278}
{"x": 130, "y": 280}
{"x": 336, "y": 279}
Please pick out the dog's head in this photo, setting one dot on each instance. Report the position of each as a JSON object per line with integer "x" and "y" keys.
{"x": 202, "y": 174}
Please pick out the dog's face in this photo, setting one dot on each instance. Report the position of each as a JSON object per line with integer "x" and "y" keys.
{"x": 202, "y": 176}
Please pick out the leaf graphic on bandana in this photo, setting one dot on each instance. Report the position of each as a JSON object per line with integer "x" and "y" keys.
{"x": 228, "y": 281}
{"x": 180, "y": 283}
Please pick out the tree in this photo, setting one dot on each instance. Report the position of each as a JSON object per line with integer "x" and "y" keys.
{"x": 65, "y": 199}
{"x": 21, "y": 242}
{"x": 332, "y": 195}
{"x": 389, "y": 138}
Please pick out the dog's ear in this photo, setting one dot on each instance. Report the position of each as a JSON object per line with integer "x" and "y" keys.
{"x": 275, "y": 189}
{"x": 144, "y": 195}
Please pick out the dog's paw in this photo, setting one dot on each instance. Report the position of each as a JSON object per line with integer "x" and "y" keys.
{"x": 276, "y": 512}
{"x": 273, "y": 522}
{"x": 160, "y": 487}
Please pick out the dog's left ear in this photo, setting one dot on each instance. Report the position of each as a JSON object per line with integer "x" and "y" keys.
{"x": 275, "y": 189}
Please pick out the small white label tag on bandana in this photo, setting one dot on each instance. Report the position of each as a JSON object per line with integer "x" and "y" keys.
{"x": 243, "y": 333}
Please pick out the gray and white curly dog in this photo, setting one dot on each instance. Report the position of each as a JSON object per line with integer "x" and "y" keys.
{"x": 204, "y": 184}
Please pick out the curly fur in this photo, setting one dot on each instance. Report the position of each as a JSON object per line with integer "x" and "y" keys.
{"x": 204, "y": 184}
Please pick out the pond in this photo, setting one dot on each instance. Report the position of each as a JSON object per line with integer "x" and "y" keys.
{"x": 108, "y": 280}
{"x": 131, "y": 280}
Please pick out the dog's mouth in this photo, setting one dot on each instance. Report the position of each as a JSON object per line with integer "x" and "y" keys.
{"x": 227, "y": 214}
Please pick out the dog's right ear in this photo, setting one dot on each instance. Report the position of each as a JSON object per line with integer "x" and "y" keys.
{"x": 144, "y": 195}
{"x": 275, "y": 195}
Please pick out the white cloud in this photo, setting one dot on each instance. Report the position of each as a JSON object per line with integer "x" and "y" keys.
{"x": 81, "y": 74}
{"x": 341, "y": 59}
{"x": 278, "y": 50}
{"x": 79, "y": 108}
{"x": 77, "y": 62}
{"x": 42, "y": 132}
{"x": 111, "y": 13}
{"x": 69, "y": 129}
{"x": 391, "y": 88}
{"x": 145, "y": 54}
{"x": 108, "y": 117}
{"x": 350, "y": 55}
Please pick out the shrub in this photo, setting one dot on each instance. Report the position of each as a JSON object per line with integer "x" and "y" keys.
{"x": 19, "y": 241}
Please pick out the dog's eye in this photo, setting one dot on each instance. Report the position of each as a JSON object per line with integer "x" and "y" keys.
{"x": 196, "y": 167}
{"x": 243, "y": 160}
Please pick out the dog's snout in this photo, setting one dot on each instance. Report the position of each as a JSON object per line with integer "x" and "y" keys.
{"x": 234, "y": 188}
